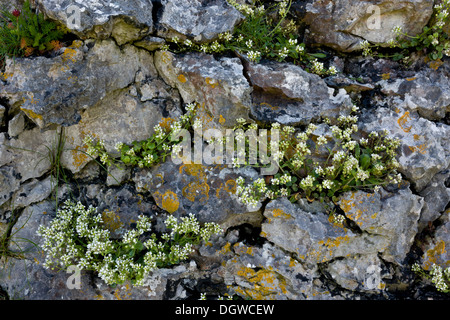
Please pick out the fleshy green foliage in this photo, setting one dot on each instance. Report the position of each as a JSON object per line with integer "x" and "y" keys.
{"x": 144, "y": 153}
{"x": 439, "y": 277}
{"x": 434, "y": 39}
{"x": 310, "y": 165}
{"x": 24, "y": 32}
{"x": 322, "y": 167}
{"x": 78, "y": 236}
{"x": 264, "y": 33}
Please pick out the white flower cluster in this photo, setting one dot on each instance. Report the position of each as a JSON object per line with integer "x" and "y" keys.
{"x": 439, "y": 277}
{"x": 368, "y": 162}
{"x": 76, "y": 236}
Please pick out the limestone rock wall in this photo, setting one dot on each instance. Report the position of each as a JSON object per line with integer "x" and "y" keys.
{"x": 116, "y": 83}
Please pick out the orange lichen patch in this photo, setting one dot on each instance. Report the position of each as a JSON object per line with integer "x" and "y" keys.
{"x": 195, "y": 170}
{"x": 168, "y": 201}
{"x": 31, "y": 114}
{"x": 292, "y": 262}
{"x": 221, "y": 119}
{"x": 166, "y": 57}
{"x": 420, "y": 148}
{"x": 346, "y": 205}
{"x": 265, "y": 283}
{"x": 69, "y": 55}
{"x": 196, "y": 191}
{"x": 243, "y": 250}
{"x": 436, "y": 64}
{"x": 76, "y": 44}
{"x": 416, "y": 137}
{"x": 79, "y": 158}
{"x": 211, "y": 82}
{"x": 205, "y": 117}
{"x": 226, "y": 248}
{"x": 386, "y": 76}
{"x": 6, "y": 76}
{"x": 123, "y": 293}
{"x": 229, "y": 186}
{"x": 165, "y": 123}
{"x": 327, "y": 248}
{"x": 111, "y": 220}
{"x": 182, "y": 78}
{"x": 274, "y": 108}
{"x": 403, "y": 120}
{"x": 280, "y": 213}
{"x": 432, "y": 255}
{"x": 411, "y": 79}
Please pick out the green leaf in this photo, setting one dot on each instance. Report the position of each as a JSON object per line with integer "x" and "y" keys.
{"x": 126, "y": 159}
{"x": 357, "y": 151}
{"x": 365, "y": 161}
{"x": 139, "y": 246}
{"x": 318, "y": 55}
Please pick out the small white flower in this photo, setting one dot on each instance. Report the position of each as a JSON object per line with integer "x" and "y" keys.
{"x": 321, "y": 140}
{"x": 397, "y": 30}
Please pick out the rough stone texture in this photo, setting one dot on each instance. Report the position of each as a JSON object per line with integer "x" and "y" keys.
{"x": 428, "y": 92}
{"x": 359, "y": 273}
{"x": 55, "y": 90}
{"x": 31, "y": 192}
{"x": 343, "y": 24}
{"x": 218, "y": 86}
{"x": 6, "y": 155}
{"x": 312, "y": 237}
{"x": 436, "y": 251}
{"x": 10, "y": 4}
{"x": 267, "y": 273}
{"x": 288, "y": 94}
{"x": 436, "y": 198}
{"x": 124, "y": 20}
{"x": 113, "y": 87}
{"x": 390, "y": 215}
{"x": 119, "y": 117}
{"x": 206, "y": 191}
{"x": 16, "y": 125}
{"x": 423, "y": 151}
{"x": 30, "y": 152}
{"x": 9, "y": 183}
{"x": 199, "y": 20}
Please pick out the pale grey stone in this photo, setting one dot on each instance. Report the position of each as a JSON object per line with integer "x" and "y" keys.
{"x": 391, "y": 215}
{"x": 343, "y": 25}
{"x": 198, "y": 20}
{"x": 287, "y": 94}
{"x": 218, "y": 86}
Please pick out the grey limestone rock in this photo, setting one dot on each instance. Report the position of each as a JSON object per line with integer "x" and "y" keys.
{"x": 344, "y": 24}
{"x": 198, "y": 20}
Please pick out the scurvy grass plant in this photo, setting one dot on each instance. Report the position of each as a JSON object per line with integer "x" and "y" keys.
{"x": 321, "y": 167}
{"x": 439, "y": 277}
{"x": 434, "y": 39}
{"x": 265, "y": 33}
{"x": 23, "y": 33}
{"x": 311, "y": 165}
{"x": 144, "y": 153}
{"x": 78, "y": 236}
